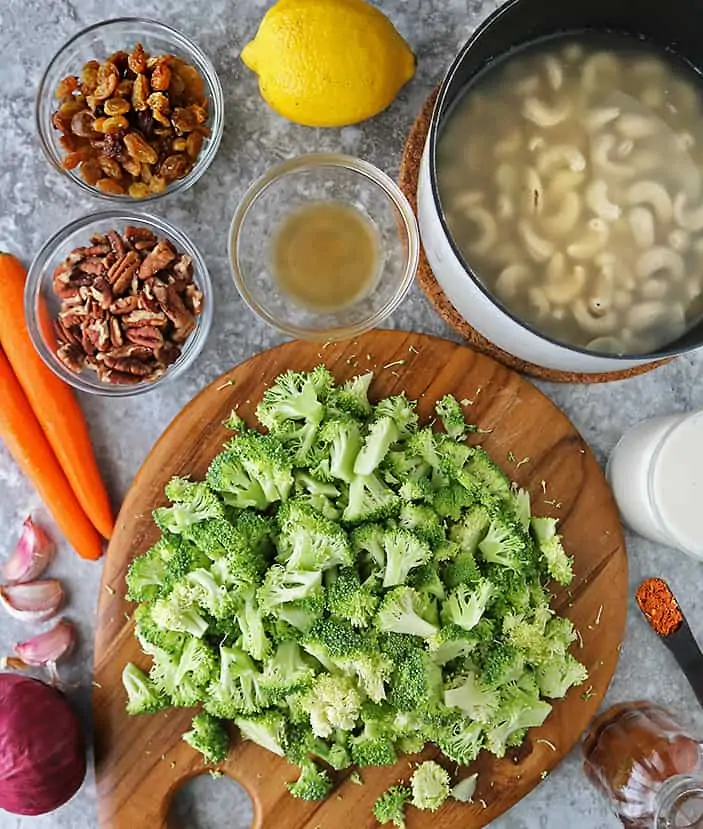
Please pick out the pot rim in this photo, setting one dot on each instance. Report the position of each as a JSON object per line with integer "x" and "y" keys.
{"x": 446, "y": 87}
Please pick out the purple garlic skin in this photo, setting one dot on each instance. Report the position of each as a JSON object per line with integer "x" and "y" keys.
{"x": 32, "y": 555}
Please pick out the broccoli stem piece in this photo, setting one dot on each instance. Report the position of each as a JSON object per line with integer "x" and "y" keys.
{"x": 430, "y": 786}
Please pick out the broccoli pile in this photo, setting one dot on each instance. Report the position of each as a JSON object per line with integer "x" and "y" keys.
{"x": 349, "y": 586}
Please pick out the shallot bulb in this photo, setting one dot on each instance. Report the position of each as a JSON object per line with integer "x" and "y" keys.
{"x": 31, "y": 556}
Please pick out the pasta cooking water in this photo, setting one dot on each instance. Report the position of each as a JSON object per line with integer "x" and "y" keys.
{"x": 570, "y": 176}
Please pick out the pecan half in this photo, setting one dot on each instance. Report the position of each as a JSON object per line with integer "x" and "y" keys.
{"x": 71, "y": 356}
{"x": 157, "y": 259}
{"x": 127, "y": 365}
{"x": 124, "y": 305}
{"x": 116, "y": 243}
{"x": 147, "y": 336}
{"x": 101, "y": 292}
{"x": 140, "y": 319}
{"x": 116, "y": 338}
{"x": 120, "y": 274}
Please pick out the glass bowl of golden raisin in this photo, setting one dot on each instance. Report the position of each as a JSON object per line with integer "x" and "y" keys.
{"x": 130, "y": 109}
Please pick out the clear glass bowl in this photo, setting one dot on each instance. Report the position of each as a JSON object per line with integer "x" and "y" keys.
{"x": 314, "y": 178}
{"x": 41, "y": 304}
{"x": 96, "y": 43}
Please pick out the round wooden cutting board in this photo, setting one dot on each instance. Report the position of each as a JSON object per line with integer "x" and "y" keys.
{"x": 142, "y": 761}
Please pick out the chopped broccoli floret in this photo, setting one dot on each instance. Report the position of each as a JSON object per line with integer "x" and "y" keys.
{"x": 370, "y": 500}
{"x": 558, "y": 564}
{"x": 374, "y": 746}
{"x": 400, "y": 410}
{"x": 404, "y": 610}
{"x": 208, "y": 737}
{"x": 313, "y": 784}
{"x": 416, "y": 682}
{"x": 467, "y": 604}
{"x": 430, "y": 786}
{"x": 344, "y": 439}
{"x": 192, "y": 502}
{"x": 423, "y": 521}
{"x": 449, "y": 643}
{"x": 504, "y": 545}
{"x": 382, "y": 434}
{"x": 349, "y": 599}
{"x": 308, "y": 540}
{"x": 450, "y": 413}
{"x": 404, "y": 550}
{"x": 390, "y": 806}
{"x": 470, "y": 695}
{"x": 227, "y": 475}
{"x": 267, "y": 729}
{"x": 238, "y": 688}
{"x": 288, "y": 671}
{"x": 352, "y": 397}
{"x": 368, "y": 538}
{"x": 471, "y": 529}
{"x": 519, "y": 709}
{"x": 143, "y": 696}
{"x": 556, "y": 677}
{"x": 179, "y": 611}
{"x": 282, "y": 586}
{"x": 333, "y": 702}
{"x": 460, "y": 739}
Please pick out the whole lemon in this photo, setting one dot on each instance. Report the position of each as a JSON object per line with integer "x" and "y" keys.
{"x": 328, "y": 63}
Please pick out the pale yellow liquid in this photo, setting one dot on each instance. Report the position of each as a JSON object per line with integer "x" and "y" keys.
{"x": 325, "y": 255}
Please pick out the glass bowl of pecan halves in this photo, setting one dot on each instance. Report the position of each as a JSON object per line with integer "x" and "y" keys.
{"x": 130, "y": 109}
{"x": 117, "y": 302}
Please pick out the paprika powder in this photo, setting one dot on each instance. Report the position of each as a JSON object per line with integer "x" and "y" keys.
{"x": 659, "y": 606}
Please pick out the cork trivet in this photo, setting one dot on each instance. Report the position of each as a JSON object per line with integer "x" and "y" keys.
{"x": 409, "y": 172}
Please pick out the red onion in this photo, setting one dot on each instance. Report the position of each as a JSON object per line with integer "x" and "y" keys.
{"x": 42, "y": 750}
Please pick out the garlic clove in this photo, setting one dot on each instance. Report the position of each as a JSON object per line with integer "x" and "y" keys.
{"x": 47, "y": 648}
{"x": 31, "y": 556}
{"x": 34, "y": 601}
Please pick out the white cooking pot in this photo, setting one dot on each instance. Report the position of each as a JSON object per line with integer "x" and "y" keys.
{"x": 515, "y": 24}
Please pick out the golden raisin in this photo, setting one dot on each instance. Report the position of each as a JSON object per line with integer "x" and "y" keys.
{"x": 194, "y": 143}
{"x": 179, "y": 145}
{"x": 138, "y": 148}
{"x": 139, "y": 190}
{"x": 132, "y": 166}
{"x": 83, "y": 124}
{"x": 140, "y": 92}
{"x": 183, "y": 120}
{"x": 146, "y": 173}
{"x": 161, "y": 77}
{"x": 157, "y": 184}
{"x": 175, "y": 166}
{"x": 110, "y": 167}
{"x": 89, "y": 76}
{"x": 109, "y": 185}
{"x": 194, "y": 85}
{"x": 124, "y": 88}
{"x": 66, "y": 86}
{"x": 117, "y": 123}
{"x": 108, "y": 78}
{"x": 116, "y": 106}
{"x": 70, "y": 108}
{"x": 72, "y": 160}
{"x": 99, "y": 124}
{"x": 91, "y": 172}
{"x": 137, "y": 60}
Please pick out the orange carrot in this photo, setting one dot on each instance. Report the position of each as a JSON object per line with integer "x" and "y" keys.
{"x": 52, "y": 401}
{"x": 27, "y": 443}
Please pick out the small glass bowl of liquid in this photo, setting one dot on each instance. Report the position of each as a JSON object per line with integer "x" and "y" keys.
{"x": 324, "y": 247}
